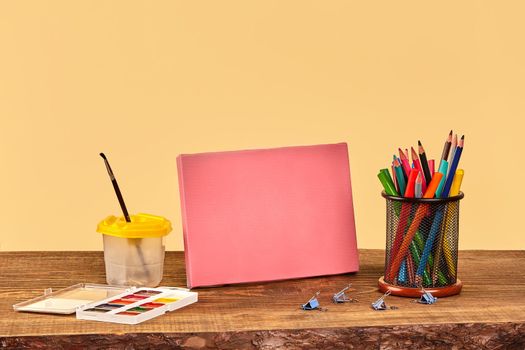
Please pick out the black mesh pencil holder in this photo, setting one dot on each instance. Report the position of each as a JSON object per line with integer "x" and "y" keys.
{"x": 421, "y": 246}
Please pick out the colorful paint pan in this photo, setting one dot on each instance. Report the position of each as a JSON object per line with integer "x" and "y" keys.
{"x": 147, "y": 293}
{"x": 152, "y": 305}
{"x": 166, "y": 300}
{"x": 135, "y": 297}
{"x": 108, "y": 307}
{"x": 96, "y": 310}
{"x": 140, "y": 309}
{"x": 121, "y": 302}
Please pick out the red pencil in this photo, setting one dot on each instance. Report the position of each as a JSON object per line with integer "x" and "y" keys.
{"x": 411, "y": 270}
{"x": 404, "y": 161}
{"x": 410, "y": 190}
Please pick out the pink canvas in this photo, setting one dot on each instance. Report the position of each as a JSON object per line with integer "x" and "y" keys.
{"x": 269, "y": 214}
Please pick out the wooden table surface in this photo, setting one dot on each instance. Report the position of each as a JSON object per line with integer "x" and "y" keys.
{"x": 489, "y": 312}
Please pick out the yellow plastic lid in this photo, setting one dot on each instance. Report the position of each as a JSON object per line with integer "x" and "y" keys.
{"x": 141, "y": 226}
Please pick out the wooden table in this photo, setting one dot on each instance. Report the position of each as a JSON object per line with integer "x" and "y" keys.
{"x": 488, "y": 314}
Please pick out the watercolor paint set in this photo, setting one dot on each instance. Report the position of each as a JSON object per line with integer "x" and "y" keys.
{"x": 117, "y": 304}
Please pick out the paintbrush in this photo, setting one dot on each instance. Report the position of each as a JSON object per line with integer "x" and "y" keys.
{"x": 117, "y": 189}
{"x": 124, "y": 211}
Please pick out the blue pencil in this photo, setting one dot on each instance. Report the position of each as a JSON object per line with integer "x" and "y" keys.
{"x": 402, "y": 278}
{"x": 453, "y": 167}
{"x": 400, "y": 177}
{"x": 430, "y": 241}
{"x": 443, "y": 170}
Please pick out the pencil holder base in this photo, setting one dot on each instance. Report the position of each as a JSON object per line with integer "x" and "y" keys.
{"x": 438, "y": 292}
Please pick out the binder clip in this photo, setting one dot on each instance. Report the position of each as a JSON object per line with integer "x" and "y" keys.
{"x": 340, "y": 297}
{"x": 427, "y": 298}
{"x": 380, "y": 304}
{"x": 312, "y": 304}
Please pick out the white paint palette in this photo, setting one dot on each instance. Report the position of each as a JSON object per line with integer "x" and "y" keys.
{"x": 137, "y": 305}
{"x": 118, "y": 304}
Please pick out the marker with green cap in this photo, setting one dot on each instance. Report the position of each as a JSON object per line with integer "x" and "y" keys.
{"x": 386, "y": 181}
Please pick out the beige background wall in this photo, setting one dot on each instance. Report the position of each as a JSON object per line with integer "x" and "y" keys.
{"x": 146, "y": 80}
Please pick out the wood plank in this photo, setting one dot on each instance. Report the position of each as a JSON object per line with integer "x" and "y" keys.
{"x": 477, "y": 336}
{"x": 493, "y": 293}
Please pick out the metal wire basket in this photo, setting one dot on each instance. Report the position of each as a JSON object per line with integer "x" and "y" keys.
{"x": 421, "y": 246}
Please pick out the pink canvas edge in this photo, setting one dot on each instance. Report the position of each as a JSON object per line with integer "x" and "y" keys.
{"x": 352, "y": 205}
{"x": 184, "y": 223}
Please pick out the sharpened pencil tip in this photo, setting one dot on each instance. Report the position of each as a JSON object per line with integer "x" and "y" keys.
{"x": 462, "y": 137}
{"x": 418, "y": 143}
{"x": 450, "y": 133}
{"x": 103, "y": 155}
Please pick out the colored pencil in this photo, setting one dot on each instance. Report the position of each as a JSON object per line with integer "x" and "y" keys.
{"x": 400, "y": 177}
{"x": 416, "y": 257}
{"x": 410, "y": 190}
{"x": 419, "y": 244}
{"x": 436, "y": 223}
{"x": 418, "y": 192}
{"x": 443, "y": 170}
{"x": 456, "y": 183}
{"x": 432, "y": 186}
{"x": 424, "y": 163}
{"x": 446, "y": 149}
{"x": 451, "y": 208}
{"x": 418, "y": 166}
{"x": 394, "y": 177}
{"x": 453, "y": 167}
{"x": 411, "y": 270}
{"x": 438, "y": 252}
{"x": 405, "y": 162}
{"x": 431, "y": 166}
{"x": 402, "y": 277}
{"x": 453, "y": 146}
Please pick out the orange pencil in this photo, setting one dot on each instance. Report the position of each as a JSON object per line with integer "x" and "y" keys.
{"x": 403, "y": 249}
{"x": 433, "y": 185}
{"x": 416, "y": 221}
